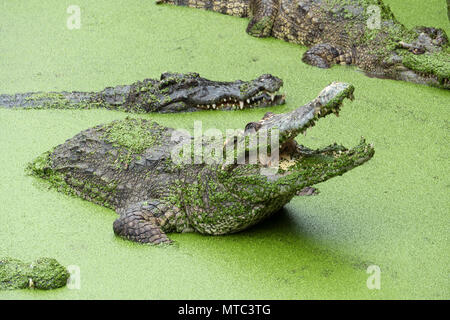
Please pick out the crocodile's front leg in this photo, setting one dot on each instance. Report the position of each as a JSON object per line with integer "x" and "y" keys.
{"x": 147, "y": 222}
{"x": 263, "y": 13}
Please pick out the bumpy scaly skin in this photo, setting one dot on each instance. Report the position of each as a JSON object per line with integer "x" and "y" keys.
{"x": 174, "y": 92}
{"x": 346, "y": 32}
{"x": 128, "y": 166}
{"x": 44, "y": 273}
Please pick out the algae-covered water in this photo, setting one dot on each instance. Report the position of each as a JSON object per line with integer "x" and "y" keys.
{"x": 392, "y": 212}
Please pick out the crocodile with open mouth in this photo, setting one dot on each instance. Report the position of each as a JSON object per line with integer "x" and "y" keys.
{"x": 129, "y": 166}
{"x": 364, "y": 33}
{"x": 174, "y": 92}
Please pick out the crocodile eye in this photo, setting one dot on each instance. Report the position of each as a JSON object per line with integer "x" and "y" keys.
{"x": 266, "y": 77}
{"x": 166, "y": 82}
{"x": 168, "y": 75}
{"x": 268, "y": 115}
{"x": 252, "y": 126}
{"x": 191, "y": 82}
{"x": 418, "y": 51}
{"x": 193, "y": 74}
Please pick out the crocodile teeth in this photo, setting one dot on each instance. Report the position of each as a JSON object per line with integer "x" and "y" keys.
{"x": 248, "y": 101}
{"x": 214, "y": 106}
{"x": 272, "y": 97}
{"x": 241, "y": 104}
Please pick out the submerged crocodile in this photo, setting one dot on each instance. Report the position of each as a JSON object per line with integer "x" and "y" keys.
{"x": 44, "y": 273}
{"x": 174, "y": 92}
{"x": 129, "y": 166}
{"x": 364, "y": 33}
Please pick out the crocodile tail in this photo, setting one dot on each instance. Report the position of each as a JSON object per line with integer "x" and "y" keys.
{"x": 54, "y": 100}
{"x": 109, "y": 98}
{"x": 239, "y": 8}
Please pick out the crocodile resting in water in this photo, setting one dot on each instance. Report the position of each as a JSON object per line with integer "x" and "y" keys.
{"x": 44, "y": 273}
{"x": 128, "y": 166}
{"x": 346, "y": 32}
{"x": 174, "y": 92}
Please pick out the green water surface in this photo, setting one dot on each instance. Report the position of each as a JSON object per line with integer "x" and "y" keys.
{"x": 392, "y": 212}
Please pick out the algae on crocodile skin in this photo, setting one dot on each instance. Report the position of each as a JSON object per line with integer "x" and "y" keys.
{"x": 98, "y": 193}
{"x": 44, "y": 274}
{"x": 430, "y": 63}
{"x": 47, "y": 273}
{"x": 136, "y": 135}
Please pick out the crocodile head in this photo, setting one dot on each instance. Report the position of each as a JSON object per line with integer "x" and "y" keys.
{"x": 233, "y": 195}
{"x": 243, "y": 192}
{"x": 300, "y": 166}
{"x": 191, "y": 92}
{"x": 424, "y": 59}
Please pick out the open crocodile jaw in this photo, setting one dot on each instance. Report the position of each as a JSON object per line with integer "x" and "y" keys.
{"x": 290, "y": 124}
{"x": 323, "y": 163}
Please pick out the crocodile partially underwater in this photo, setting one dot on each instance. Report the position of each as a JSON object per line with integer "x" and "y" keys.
{"x": 44, "y": 274}
{"x": 174, "y": 92}
{"x": 364, "y": 33}
{"x": 129, "y": 166}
